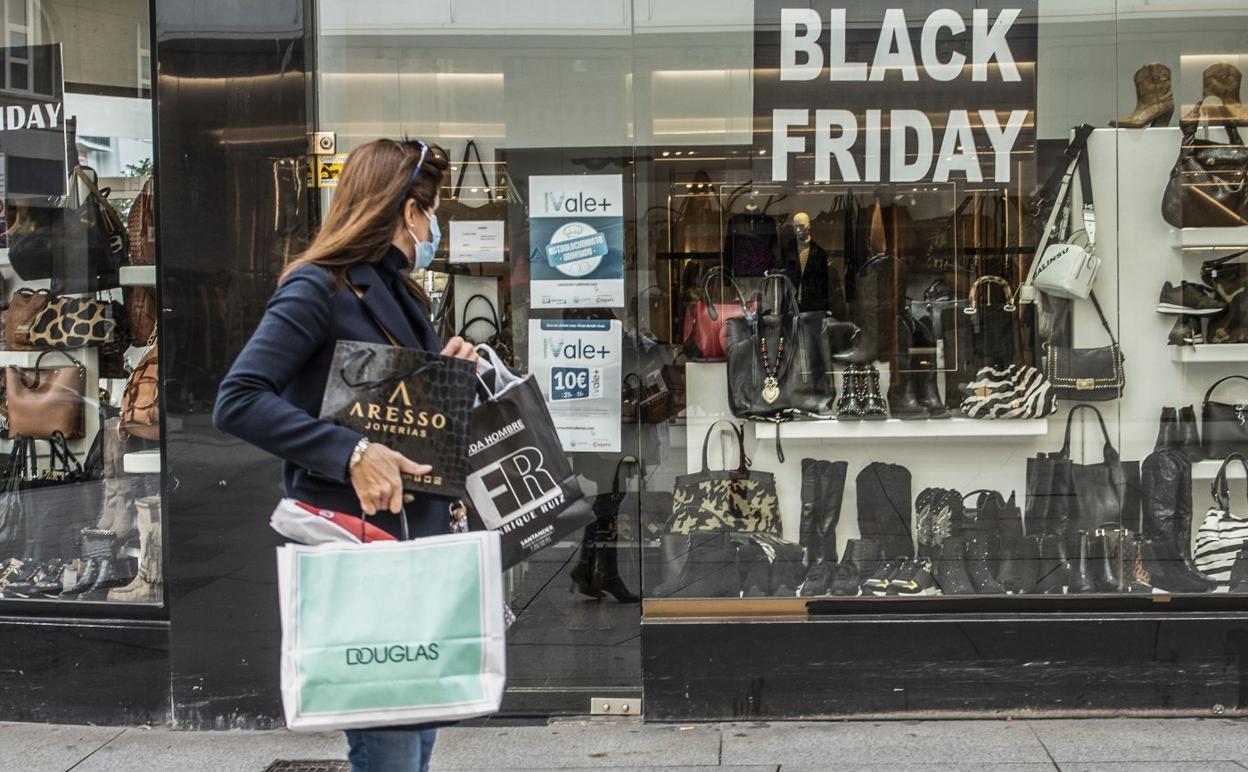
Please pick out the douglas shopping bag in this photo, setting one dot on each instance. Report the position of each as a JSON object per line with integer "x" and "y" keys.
{"x": 409, "y": 400}
{"x": 392, "y": 632}
{"x": 520, "y": 482}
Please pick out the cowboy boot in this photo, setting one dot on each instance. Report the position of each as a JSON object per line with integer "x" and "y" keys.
{"x": 146, "y": 587}
{"x": 1222, "y": 80}
{"x": 1166, "y": 501}
{"x": 1154, "y": 99}
{"x": 1167, "y": 432}
{"x": 118, "y": 516}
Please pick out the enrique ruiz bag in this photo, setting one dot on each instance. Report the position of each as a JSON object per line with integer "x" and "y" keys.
{"x": 44, "y": 400}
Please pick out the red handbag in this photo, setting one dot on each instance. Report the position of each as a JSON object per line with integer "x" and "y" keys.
{"x": 706, "y": 323}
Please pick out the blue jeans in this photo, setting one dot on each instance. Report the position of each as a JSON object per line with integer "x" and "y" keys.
{"x": 390, "y": 750}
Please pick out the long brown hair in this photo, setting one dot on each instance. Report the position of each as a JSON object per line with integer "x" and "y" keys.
{"x": 373, "y": 190}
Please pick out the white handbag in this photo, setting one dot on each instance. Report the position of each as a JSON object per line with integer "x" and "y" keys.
{"x": 1222, "y": 535}
{"x": 1066, "y": 270}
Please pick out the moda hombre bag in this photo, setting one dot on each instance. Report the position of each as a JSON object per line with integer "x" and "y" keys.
{"x": 1208, "y": 186}
{"x": 412, "y": 401}
{"x": 1223, "y": 533}
{"x": 1087, "y": 374}
{"x": 391, "y": 633}
{"x": 1224, "y": 425}
{"x": 45, "y": 400}
{"x": 519, "y": 482}
{"x": 1013, "y": 391}
{"x": 730, "y": 500}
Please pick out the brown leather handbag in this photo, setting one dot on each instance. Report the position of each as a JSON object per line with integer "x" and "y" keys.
{"x": 141, "y": 229}
{"x": 1208, "y": 186}
{"x": 18, "y": 316}
{"x": 140, "y": 404}
{"x": 45, "y": 400}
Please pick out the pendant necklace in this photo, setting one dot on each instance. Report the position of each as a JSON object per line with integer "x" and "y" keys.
{"x": 771, "y": 386}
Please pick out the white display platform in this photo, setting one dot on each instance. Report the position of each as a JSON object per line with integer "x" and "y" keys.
{"x": 141, "y": 462}
{"x": 897, "y": 429}
{"x": 138, "y": 276}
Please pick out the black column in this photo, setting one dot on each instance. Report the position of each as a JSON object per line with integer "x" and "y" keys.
{"x": 231, "y": 116}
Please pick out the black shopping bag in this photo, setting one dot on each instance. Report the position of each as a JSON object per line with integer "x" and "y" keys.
{"x": 520, "y": 483}
{"x": 409, "y": 400}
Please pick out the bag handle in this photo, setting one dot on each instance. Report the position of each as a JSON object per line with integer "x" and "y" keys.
{"x": 1197, "y": 118}
{"x": 1011, "y": 294}
{"x": 1220, "y": 488}
{"x": 1110, "y": 452}
{"x": 368, "y": 354}
{"x": 1220, "y": 381}
{"x": 38, "y": 369}
{"x": 492, "y": 318}
{"x": 470, "y": 150}
{"x": 641, "y": 469}
{"x": 1208, "y": 263}
{"x": 738, "y": 433}
{"x": 714, "y": 271}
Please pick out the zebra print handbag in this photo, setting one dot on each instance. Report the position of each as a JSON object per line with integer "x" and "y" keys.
{"x": 1222, "y": 534}
{"x": 1014, "y": 391}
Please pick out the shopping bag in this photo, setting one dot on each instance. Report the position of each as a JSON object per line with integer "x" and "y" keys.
{"x": 391, "y": 633}
{"x": 520, "y": 482}
{"x": 409, "y": 400}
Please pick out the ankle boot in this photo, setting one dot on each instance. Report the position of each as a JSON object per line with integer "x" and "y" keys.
{"x": 979, "y": 570}
{"x": 1081, "y": 578}
{"x": 949, "y": 568}
{"x": 848, "y": 408}
{"x": 1106, "y": 567}
{"x": 1054, "y": 568}
{"x": 924, "y": 368}
{"x": 1154, "y": 99}
{"x": 1222, "y": 80}
{"x": 1167, "y": 432}
{"x": 861, "y": 559}
{"x": 1189, "y": 436}
{"x": 1166, "y": 509}
{"x": 1136, "y": 577}
{"x": 1168, "y": 571}
{"x": 874, "y": 408}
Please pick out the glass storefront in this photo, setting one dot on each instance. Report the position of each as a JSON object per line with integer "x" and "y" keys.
{"x": 80, "y": 499}
{"x": 839, "y": 306}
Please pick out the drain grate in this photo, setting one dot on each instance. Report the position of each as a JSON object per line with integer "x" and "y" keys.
{"x": 282, "y": 765}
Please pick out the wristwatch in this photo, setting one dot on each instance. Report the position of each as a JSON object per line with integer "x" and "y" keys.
{"x": 357, "y": 455}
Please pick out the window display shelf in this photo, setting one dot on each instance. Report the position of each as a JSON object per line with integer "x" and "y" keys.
{"x": 895, "y": 428}
{"x": 1210, "y": 352}
{"x": 1211, "y": 238}
{"x": 1207, "y": 470}
{"x": 141, "y": 462}
{"x": 138, "y": 276}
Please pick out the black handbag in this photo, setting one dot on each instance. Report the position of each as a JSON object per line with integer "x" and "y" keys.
{"x": 780, "y": 360}
{"x": 1228, "y": 280}
{"x": 62, "y": 500}
{"x": 497, "y": 339}
{"x": 698, "y": 565}
{"x": 1208, "y": 186}
{"x": 730, "y": 500}
{"x": 1107, "y": 494}
{"x": 1224, "y": 425}
{"x": 459, "y": 203}
{"x": 1087, "y": 374}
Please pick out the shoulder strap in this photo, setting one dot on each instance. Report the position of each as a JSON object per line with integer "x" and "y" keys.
{"x": 737, "y": 433}
{"x": 1220, "y": 489}
{"x": 1101, "y": 314}
{"x": 359, "y": 293}
{"x": 1220, "y": 381}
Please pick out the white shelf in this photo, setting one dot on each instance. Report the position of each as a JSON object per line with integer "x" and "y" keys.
{"x": 138, "y": 276}
{"x": 141, "y": 462}
{"x": 895, "y": 428}
{"x": 1210, "y": 352}
{"x": 1207, "y": 470}
{"x": 1205, "y": 239}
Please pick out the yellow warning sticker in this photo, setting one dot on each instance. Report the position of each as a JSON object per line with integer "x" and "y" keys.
{"x": 329, "y": 169}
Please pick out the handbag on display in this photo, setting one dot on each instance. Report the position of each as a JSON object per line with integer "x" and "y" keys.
{"x": 72, "y": 322}
{"x": 1223, "y": 533}
{"x": 729, "y": 500}
{"x": 1087, "y": 374}
{"x": 696, "y": 223}
{"x": 1208, "y": 186}
{"x": 780, "y": 360}
{"x": 13, "y": 509}
{"x": 1224, "y": 425}
{"x": 18, "y": 315}
{"x": 702, "y": 564}
{"x": 412, "y": 401}
{"x": 486, "y": 204}
{"x": 1013, "y": 391}
{"x": 1230, "y": 284}
{"x": 706, "y": 323}
{"x": 62, "y": 500}
{"x": 994, "y": 329}
{"x": 45, "y": 400}
{"x": 140, "y": 403}
{"x": 1064, "y": 268}
{"x": 498, "y": 326}
{"x": 140, "y": 302}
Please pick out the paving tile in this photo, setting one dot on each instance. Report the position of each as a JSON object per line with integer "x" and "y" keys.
{"x": 1146, "y": 766}
{"x": 139, "y": 750}
{"x": 881, "y": 742}
{"x": 578, "y": 744}
{"x": 56, "y": 748}
{"x": 1143, "y": 739}
{"x": 988, "y": 766}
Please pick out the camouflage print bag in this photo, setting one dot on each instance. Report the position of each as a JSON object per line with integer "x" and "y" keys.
{"x": 729, "y": 500}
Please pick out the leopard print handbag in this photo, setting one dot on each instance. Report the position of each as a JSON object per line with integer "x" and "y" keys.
{"x": 69, "y": 322}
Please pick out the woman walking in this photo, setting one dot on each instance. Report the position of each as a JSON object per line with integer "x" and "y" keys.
{"x": 352, "y": 283}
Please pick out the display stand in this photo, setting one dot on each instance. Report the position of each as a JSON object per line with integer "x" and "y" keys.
{"x": 141, "y": 462}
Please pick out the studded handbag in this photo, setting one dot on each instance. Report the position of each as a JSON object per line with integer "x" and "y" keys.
{"x": 1087, "y": 374}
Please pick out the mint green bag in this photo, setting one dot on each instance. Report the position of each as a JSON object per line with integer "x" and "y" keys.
{"x": 391, "y": 633}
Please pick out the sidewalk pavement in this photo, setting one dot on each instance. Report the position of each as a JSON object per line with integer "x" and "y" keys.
{"x": 1101, "y": 745}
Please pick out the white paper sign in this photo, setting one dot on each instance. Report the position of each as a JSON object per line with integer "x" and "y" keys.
{"x": 477, "y": 241}
{"x": 577, "y": 363}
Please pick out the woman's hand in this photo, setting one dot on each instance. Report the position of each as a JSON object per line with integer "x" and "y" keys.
{"x": 376, "y": 478}
{"x": 459, "y": 348}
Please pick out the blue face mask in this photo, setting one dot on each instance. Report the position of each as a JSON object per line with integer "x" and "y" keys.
{"x": 425, "y": 250}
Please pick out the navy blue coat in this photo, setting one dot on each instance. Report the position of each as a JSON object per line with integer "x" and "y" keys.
{"x": 272, "y": 395}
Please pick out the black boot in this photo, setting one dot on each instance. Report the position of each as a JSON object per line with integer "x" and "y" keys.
{"x": 831, "y": 489}
{"x": 1166, "y": 480}
{"x": 924, "y": 521}
{"x": 1106, "y": 567}
{"x": 884, "y": 513}
{"x": 1168, "y": 571}
{"x": 808, "y": 525}
{"x": 1054, "y": 570}
{"x": 1020, "y": 566}
{"x": 950, "y": 568}
{"x": 866, "y": 313}
{"x": 925, "y": 372}
{"x": 1189, "y": 436}
{"x": 862, "y": 558}
{"x": 755, "y": 570}
{"x": 848, "y": 408}
{"x": 1167, "y": 431}
{"x": 1081, "y": 574}
{"x": 978, "y": 568}
{"x": 874, "y": 408}
{"x": 903, "y": 398}
{"x": 614, "y": 583}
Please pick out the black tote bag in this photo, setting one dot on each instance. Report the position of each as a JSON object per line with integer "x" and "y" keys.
{"x": 1224, "y": 425}
{"x": 1106, "y": 493}
{"x": 60, "y": 501}
{"x": 520, "y": 482}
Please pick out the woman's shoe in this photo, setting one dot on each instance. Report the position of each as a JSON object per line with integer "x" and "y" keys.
{"x": 582, "y": 580}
